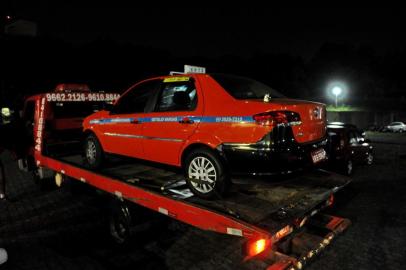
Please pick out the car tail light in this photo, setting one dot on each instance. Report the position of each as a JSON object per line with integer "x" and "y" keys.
{"x": 256, "y": 247}
{"x": 276, "y": 118}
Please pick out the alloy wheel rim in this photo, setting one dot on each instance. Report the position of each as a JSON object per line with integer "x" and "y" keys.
{"x": 91, "y": 151}
{"x": 201, "y": 168}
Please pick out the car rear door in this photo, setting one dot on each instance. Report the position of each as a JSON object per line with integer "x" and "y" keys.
{"x": 122, "y": 130}
{"x": 174, "y": 118}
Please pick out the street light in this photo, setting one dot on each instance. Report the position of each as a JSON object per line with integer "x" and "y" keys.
{"x": 337, "y": 90}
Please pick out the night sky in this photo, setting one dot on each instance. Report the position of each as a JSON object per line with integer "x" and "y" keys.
{"x": 298, "y": 51}
{"x": 218, "y": 31}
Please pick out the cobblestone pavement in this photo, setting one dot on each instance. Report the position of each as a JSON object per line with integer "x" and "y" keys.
{"x": 50, "y": 228}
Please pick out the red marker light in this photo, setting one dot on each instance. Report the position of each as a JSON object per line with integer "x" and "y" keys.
{"x": 330, "y": 200}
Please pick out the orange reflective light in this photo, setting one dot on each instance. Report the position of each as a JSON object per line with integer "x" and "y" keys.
{"x": 257, "y": 247}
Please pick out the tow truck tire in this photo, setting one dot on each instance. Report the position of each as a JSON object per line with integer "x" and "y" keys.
{"x": 204, "y": 164}
{"x": 93, "y": 152}
{"x": 120, "y": 222}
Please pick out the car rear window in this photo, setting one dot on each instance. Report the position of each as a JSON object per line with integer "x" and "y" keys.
{"x": 334, "y": 138}
{"x": 245, "y": 88}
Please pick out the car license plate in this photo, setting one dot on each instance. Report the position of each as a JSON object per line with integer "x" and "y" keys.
{"x": 318, "y": 155}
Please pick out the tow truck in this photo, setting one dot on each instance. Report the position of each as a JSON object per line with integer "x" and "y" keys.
{"x": 52, "y": 122}
{"x": 280, "y": 221}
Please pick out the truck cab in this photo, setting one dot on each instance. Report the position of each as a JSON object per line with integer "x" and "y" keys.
{"x": 59, "y": 116}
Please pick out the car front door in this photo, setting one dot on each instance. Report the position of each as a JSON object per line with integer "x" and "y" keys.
{"x": 122, "y": 130}
{"x": 175, "y": 117}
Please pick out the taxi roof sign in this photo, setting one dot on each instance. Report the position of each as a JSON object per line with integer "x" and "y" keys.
{"x": 177, "y": 79}
{"x": 194, "y": 69}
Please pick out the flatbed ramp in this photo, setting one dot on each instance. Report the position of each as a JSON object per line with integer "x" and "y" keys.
{"x": 285, "y": 211}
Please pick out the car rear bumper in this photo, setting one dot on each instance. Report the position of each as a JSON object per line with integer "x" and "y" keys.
{"x": 277, "y": 152}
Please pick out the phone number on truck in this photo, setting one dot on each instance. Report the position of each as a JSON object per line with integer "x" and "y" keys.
{"x": 81, "y": 96}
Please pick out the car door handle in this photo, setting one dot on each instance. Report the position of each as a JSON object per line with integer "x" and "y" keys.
{"x": 186, "y": 120}
{"x": 135, "y": 121}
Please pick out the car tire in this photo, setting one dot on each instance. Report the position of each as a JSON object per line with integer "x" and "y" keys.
{"x": 204, "y": 164}
{"x": 348, "y": 167}
{"x": 400, "y": 130}
{"x": 93, "y": 152}
{"x": 120, "y": 223}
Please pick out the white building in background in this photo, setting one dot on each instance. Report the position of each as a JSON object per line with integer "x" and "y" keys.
{"x": 21, "y": 28}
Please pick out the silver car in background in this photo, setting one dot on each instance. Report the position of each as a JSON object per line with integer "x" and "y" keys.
{"x": 396, "y": 127}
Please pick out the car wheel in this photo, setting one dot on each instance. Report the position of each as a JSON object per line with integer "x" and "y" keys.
{"x": 205, "y": 174}
{"x": 93, "y": 152}
{"x": 370, "y": 158}
{"x": 400, "y": 130}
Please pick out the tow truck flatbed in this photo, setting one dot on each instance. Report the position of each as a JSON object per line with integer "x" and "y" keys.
{"x": 271, "y": 216}
{"x": 274, "y": 210}
{"x": 268, "y": 204}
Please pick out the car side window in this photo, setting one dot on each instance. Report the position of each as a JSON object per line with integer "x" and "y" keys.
{"x": 177, "y": 96}
{"x": 137, "y": 99}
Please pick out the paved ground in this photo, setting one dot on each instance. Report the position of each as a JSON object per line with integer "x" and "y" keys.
{"x": 387, "y": 137}
{"x": 53, "y": 229}
{"x": 375, "y": 202}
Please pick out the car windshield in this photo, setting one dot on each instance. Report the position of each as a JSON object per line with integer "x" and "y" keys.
{"x": 245, "y": 88}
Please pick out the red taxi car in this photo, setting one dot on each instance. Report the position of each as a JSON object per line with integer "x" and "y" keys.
{"x": 210, "y": 125}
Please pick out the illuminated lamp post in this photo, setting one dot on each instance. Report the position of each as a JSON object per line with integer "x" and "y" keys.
{"x": 336, "y": 90}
